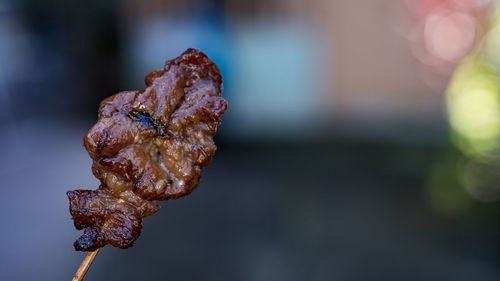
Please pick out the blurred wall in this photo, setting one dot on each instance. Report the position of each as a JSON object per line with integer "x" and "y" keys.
{"x": 291, "y": 68}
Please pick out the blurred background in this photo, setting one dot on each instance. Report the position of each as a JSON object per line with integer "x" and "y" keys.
{"x": 362, "y": 139}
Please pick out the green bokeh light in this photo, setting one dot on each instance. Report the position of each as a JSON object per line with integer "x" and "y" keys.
{"x": 473, "y": 100}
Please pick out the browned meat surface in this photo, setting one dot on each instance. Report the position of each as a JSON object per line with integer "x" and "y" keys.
{"x": 148, "y": 145}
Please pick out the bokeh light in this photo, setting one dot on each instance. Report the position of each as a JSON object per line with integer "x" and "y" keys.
{"x": 473, "y": 103}
{"x": 473, "y": 106}
{"x": 449, "y": 35}
{"x": 481, "y": 180}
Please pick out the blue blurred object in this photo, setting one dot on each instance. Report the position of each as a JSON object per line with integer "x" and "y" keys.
{"x": 276, "y": 89}
{"x": 153, "y": 41}
{"x": 269, "y": 69}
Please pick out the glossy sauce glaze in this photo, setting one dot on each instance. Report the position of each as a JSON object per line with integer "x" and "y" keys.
{"x": 148, "y": 145}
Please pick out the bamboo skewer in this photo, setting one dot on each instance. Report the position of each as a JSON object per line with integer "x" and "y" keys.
{"x": 87, "y": 261}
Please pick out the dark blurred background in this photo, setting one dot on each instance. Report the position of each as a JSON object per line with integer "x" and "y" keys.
{"x": 362, "y": 139}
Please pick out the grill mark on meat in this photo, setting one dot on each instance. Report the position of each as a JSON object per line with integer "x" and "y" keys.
{"x": 104, "y": 141}
{"x": 87, "y": 239}
{"x": 147, "y": 121}
{"x": 144, "y": 118}
{"x": 118, "y": 164}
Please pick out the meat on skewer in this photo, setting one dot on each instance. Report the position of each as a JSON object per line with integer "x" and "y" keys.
{"x": 148, "y": 145}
